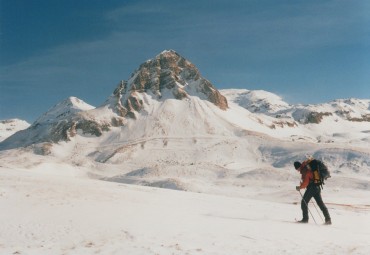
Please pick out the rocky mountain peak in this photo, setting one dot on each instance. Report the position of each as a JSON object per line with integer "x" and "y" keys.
{"x": 168, "y": 75}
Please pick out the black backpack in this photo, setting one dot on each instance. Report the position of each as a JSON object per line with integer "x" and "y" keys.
{"x": 321, "y": 174}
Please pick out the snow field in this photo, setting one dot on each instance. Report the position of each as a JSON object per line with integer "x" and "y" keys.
{"x": 50, "y": 214}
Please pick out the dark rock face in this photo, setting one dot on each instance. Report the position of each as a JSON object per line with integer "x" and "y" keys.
{"x": 166, "y": 72}
{"x": 364, "y": 118}
{"x": 163, "y": 72}
{"x": 214, "y": 95}
{"x": 316, "y": 117}
{"x": 117, "y": 94}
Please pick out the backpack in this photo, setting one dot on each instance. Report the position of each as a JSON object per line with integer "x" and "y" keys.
{"x": 321, "y": 174}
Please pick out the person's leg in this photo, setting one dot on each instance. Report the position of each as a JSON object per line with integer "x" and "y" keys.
{"x": 304, "y": 203}
{"x": 322, "y": 206}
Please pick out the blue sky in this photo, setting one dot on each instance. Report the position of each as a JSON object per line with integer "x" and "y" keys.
{"x": 305, "y": 51}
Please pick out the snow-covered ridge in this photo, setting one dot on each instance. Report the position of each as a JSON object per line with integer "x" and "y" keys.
{"x": 11, "y": 126}
{"x": 258, "y": 101}
{"x": 64, "y": 109}
{"x": 264, "y": 102}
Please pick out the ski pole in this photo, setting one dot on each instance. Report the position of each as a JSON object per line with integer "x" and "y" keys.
{"x": 317, "y": 210}
{"x": 307, "y": 207}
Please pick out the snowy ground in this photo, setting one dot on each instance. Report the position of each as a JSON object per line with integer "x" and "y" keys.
{"x": 44, "y": 212}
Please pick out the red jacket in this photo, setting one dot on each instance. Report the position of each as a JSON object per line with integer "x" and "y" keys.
{"x": 307, "y": 177}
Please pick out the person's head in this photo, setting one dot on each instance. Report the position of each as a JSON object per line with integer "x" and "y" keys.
{"x": 297, "y": 165}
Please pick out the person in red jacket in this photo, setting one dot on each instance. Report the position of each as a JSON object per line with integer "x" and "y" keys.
{"x": 312, "y": 190}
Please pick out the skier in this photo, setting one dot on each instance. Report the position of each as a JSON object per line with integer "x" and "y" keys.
{"x": 307, "y": 181}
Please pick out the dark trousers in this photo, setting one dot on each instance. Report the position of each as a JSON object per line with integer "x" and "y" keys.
{"x": 315, "y": 192}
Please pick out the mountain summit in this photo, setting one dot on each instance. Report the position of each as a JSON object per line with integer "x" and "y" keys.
{"x": 168, "y": 75}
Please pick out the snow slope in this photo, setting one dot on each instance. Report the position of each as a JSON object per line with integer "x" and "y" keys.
{"x": 64, "y": 109}
{"x": 73, "y": 215}
{"x": 11, "y": 126}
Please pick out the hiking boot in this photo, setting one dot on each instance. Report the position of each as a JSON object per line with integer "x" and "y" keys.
{"x": 303, "y": 221}
{"x": 327, "y": 222}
